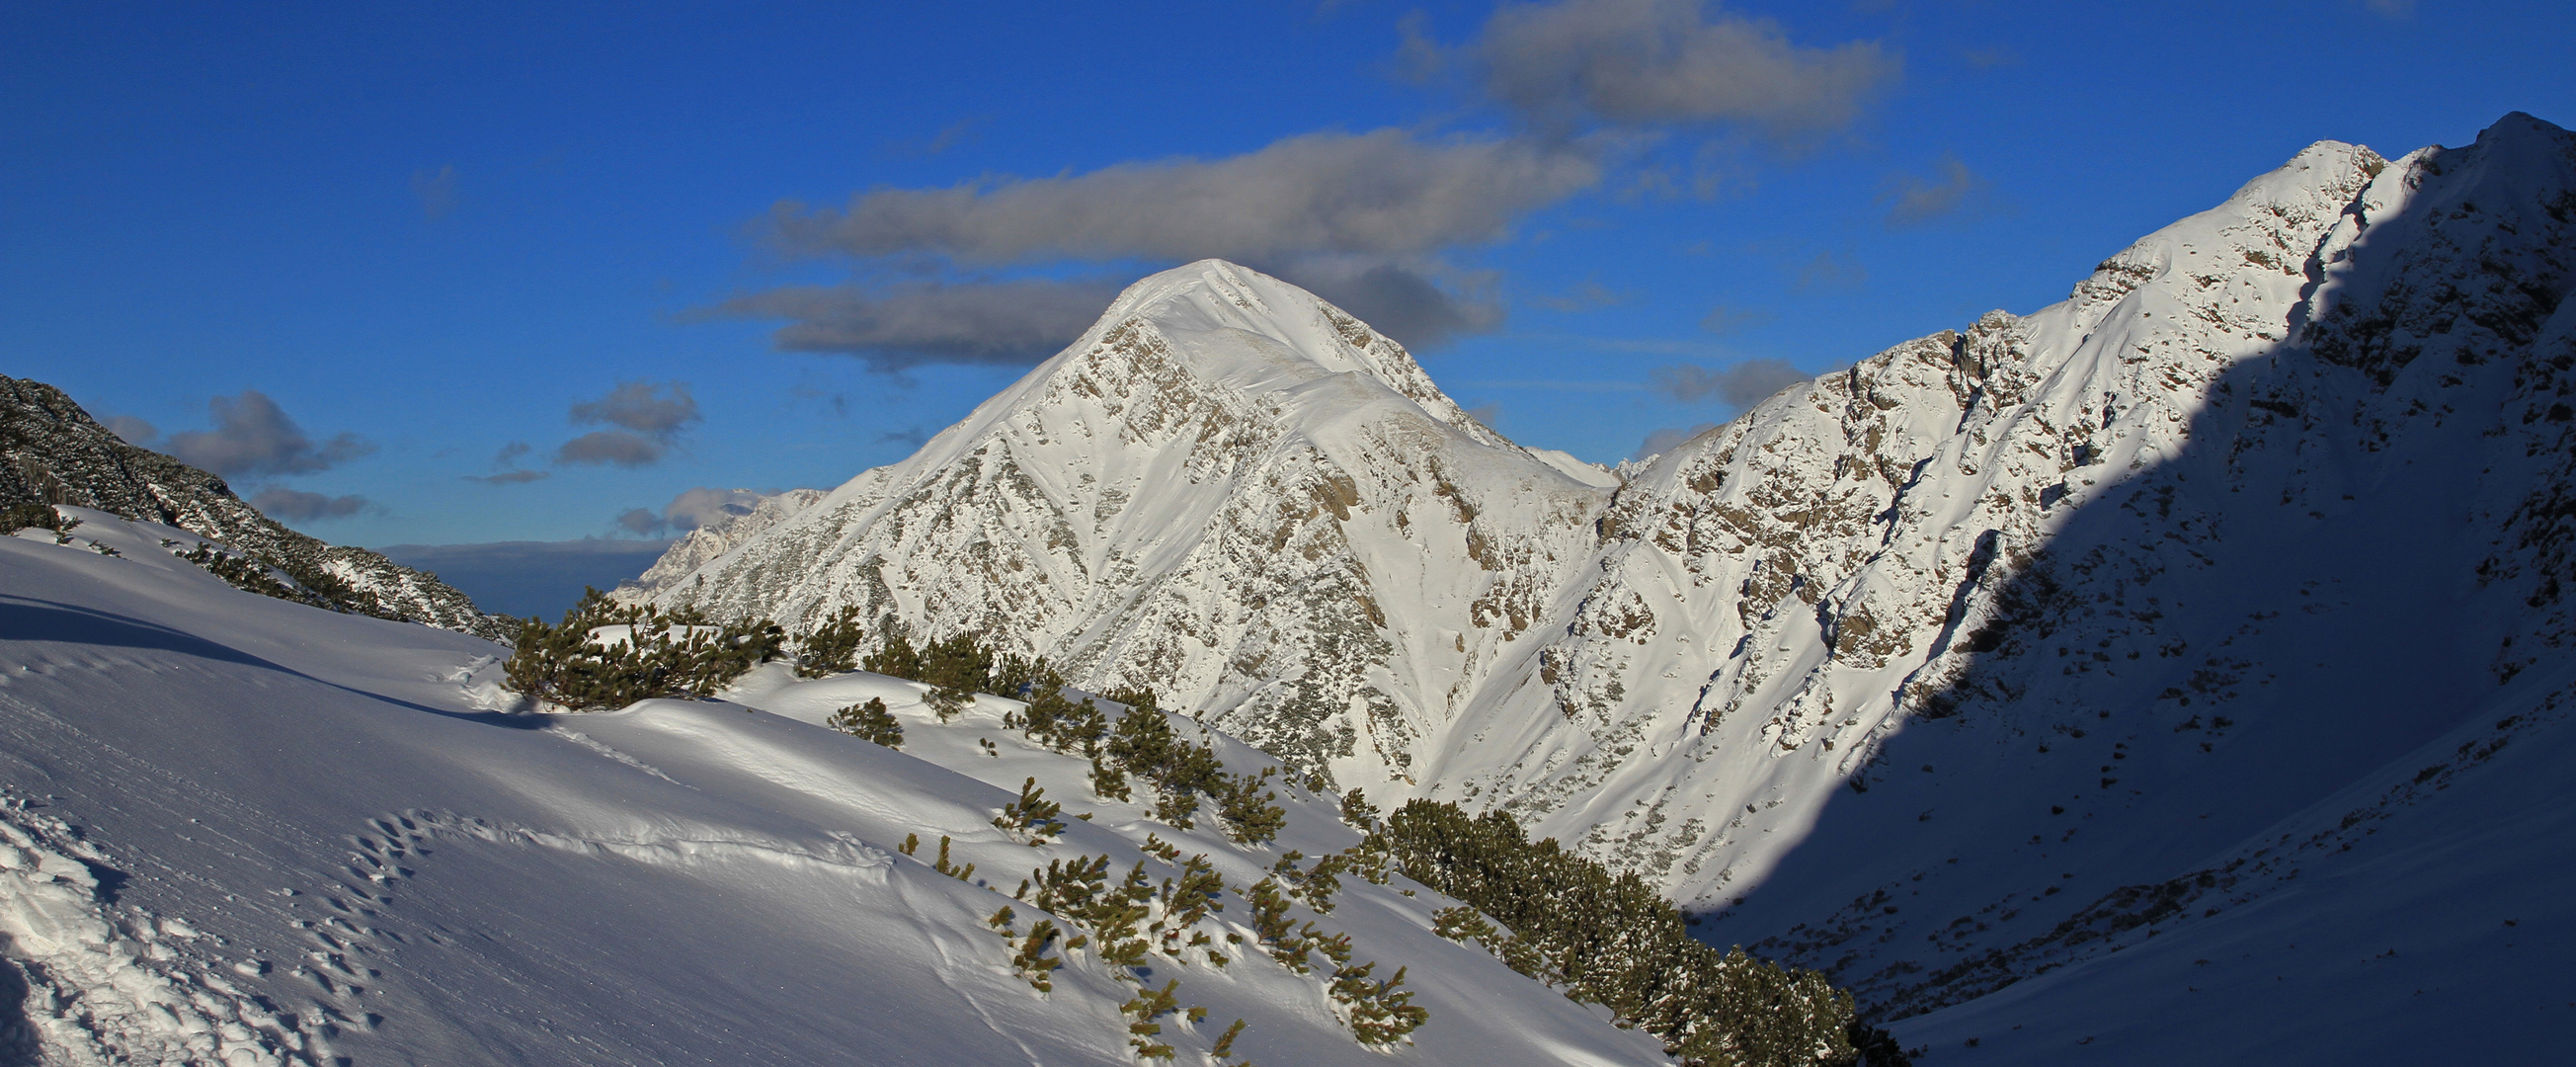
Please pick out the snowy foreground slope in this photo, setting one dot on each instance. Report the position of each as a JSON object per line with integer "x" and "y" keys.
{"x": 1994, "y": 662}
{"x": 238, "y": 830}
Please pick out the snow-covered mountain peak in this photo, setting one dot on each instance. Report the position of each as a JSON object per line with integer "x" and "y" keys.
{"x": 1243, "y": 331}
{"x": 1228, "y": 491}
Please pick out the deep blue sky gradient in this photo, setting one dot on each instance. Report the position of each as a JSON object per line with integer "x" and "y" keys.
{"x": 202, "y": 199}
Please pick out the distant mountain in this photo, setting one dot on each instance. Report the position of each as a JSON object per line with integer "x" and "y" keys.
{"x": 2204, "y": 613}
{"x": 52, "y": 452}
{"x": 702, "y": 545}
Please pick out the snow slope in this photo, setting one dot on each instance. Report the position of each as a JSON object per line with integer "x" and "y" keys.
{"x": 239, "y": 830}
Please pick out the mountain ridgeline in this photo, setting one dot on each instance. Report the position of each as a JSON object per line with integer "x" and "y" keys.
{"x": 52, "y": 453}
{"x": 1989, "y": 655}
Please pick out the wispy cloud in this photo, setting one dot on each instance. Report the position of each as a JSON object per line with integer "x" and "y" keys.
{"x": 1914, "y": 199}
{"x": 1387, "y": 192}
{"x": 253, "y": 436}
{"x": 1658, "y": 442}
{"x": 641, "y": 406}
{"x": 1991, "y": 58}
{"x": 1648, "y": 62}
{"x": 962, "y": 131}
{"x": 436, "y": 190}
{"x": 693, "y": 508}
{"x": 1360, "y": 219}
{"x": 1556, "y": 385}
{"x": 133, "y": 430}
{"x": 642, "y": 522}
{"x": 1584, "y": 296}
{"x": 281, "y": 503}
{"x": 611, "y": 447}
{"x": 1723, "y": 319}
{"x": 1009, "y": 323}
{"x": 1830, "y": 270}
{"x": 1740, "y": 385}
{"x": 1374, "y": 221}
{"x": 645, "y": 419}
{"x": 505, "y": 464}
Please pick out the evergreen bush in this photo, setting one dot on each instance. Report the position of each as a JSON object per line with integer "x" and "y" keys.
{"x": 1610, "y": 940}
{"x": 871, "y": 721}
{"x": 31, "y": 515}
{"x": 832, "y": 648}
{"x": 1380, "y": 1013}
{"x": 1032, "y": 817}
{"x": 1141, "y": 1011}
{"x": 895, "y": 657}
{"x": 661, "y": 654}
{"x": 1022, "y": 678}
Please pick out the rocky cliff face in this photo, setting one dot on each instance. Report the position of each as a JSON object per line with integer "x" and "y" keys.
{"x": 52, "y": 452}
{"x": 1939, "y": 672}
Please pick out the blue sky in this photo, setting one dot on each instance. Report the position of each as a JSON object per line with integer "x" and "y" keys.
{"x": 507, "y": 272}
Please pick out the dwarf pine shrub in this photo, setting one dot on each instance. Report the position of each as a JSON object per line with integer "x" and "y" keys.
{"x": 1380, "y": 1013}
{"x": 1032, "y": 817}
{"x": 31, "y": 515}
{"x": 1609, "y": 939}
{"x": 659, "y": 654}
{"x": 895, "y": 657}
{"x": 1142, "y": 1010}
{"x": 871, "y": 721}
{"x": 831, "y": 648}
